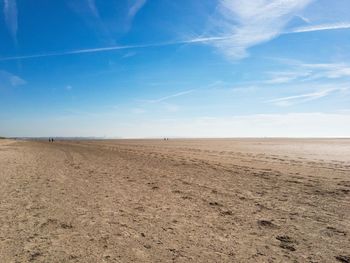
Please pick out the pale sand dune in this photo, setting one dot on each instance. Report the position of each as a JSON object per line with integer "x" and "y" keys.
{"x": 257, "y": 200}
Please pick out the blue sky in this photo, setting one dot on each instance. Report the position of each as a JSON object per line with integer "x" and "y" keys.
{"x": 186, "y": 68}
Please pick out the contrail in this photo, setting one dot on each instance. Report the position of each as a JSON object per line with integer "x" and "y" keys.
{"x": 104, "y": 49}
{"x": 170, "y": 96}
{"x": 320, "y": 28}
{"x": 171, "y": 43}
{"x": 80, "y": 51}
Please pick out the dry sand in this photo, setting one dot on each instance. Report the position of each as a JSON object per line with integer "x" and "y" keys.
{"x": 175, "y": 201}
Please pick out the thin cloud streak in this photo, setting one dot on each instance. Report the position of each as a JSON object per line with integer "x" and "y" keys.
{"x": 11, "y": 20}
{"x": 313, "y": 95}
{"x": 92, "y": 6}
{"x": 135, "y": 8}
{"x": 287, "y": 76}
{"x": 111, "y": 48}
{"x": 170, "y": 96}
{"x": 323, "y": 27}
{"x": 330, "y": 71}
{"x": 291, "y": 100}
{"x": 197, "y": 40}
{"x": 302, "y": 72}
{"x": 80, "y": 51}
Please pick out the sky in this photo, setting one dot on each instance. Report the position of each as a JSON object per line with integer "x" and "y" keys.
{"x": 185, "y": 68}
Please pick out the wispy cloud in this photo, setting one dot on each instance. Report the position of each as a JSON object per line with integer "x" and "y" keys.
{"x": 89, "y": 12}
{"x": 92, "y": 6}
{"x": 330, "y": 70}
{"x": 10, "y": 14}
{"x": 170, "y": 96}
{"x": 286, "y": 76}
{"x": 8, "y": 80}
{"x": 303, "y": 18}
{"x": 244, "y": 24}
{"x": 68, "y": 87}
{"x": 252, "y": 22}
{"x": 135, "y": 8}
{"x": 301, "y": 98}
{"x": 129, "y": 54}
{"x": 300, "y": 71}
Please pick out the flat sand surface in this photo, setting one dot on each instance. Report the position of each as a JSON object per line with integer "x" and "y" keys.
{"x": 248, "y": 200}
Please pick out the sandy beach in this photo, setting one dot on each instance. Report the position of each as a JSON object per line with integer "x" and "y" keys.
{"x": 215, "y": 200}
